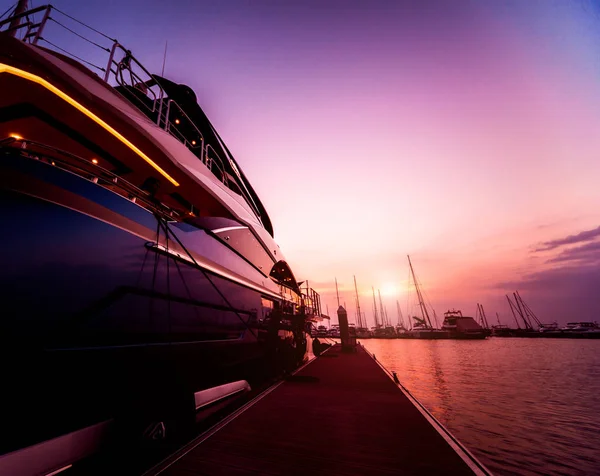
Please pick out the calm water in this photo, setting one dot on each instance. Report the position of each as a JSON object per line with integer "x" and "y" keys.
{"x": 522, "y": 406}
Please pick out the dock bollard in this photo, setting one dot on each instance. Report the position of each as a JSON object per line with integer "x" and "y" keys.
{"x": 348, "y": 342}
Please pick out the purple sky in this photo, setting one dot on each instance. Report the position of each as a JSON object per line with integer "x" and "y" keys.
{"x": 465, "y": 134}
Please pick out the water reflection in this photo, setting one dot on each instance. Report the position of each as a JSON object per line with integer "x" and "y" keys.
{"x": 442, "y": 392}
{"x": 522, "y": 406}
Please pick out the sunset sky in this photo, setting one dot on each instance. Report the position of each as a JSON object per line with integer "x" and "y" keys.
{"x": 466, "y": 134}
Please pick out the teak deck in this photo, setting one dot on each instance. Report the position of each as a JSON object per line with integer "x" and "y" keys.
{"x": 339, "y": 415}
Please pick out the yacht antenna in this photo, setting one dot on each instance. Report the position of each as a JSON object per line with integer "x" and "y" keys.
{"x": 162, "y": 73}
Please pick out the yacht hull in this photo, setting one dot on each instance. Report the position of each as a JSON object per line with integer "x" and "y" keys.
{"x": 100, "y": 320}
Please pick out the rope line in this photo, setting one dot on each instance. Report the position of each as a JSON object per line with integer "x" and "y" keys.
{"x": 165, "y": 227}
{"x": 71, "y": 54}
{"x": 87, "y": 26}
{"x": 12, "y": 7}
{"x": 80, "y": 36}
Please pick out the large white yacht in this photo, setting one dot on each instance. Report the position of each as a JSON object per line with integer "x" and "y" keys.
{"x": 139, "y": 268}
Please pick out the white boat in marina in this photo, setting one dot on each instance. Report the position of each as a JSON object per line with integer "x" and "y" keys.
{"x": 582, "y": 327}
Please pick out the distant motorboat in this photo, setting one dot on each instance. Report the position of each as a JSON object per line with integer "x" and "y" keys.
{"x": 462, "y": 327}
{"x": 582, "y": 328}
{"x": 334, "y": 331}
{"x": 549, "y": 328}
{"x": 502, "y": 330}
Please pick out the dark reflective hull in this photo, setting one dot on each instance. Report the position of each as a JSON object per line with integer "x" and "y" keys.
{"x": 467, "y": 336}
{"x": 96, "y": 323}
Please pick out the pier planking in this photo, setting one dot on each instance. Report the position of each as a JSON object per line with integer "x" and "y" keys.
{"x": 340, "y": 415}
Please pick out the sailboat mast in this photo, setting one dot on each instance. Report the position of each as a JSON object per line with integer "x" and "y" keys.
{"x": 383, "y": 316}
{"x": 528, "y": 310}
{"x": 487, "y": 326}
{"x": 400, "y": 318}
{"x": 375, "y": 308}
{"x": 424, "y": 313}
{"x": 498, "y": 318}
{"x": 481, "y": 316}
{"x": 337, "y": 293}
{"x": 358, "y": 313}
{"x": 512, "y": 309}
{"x": 523, "y": 316}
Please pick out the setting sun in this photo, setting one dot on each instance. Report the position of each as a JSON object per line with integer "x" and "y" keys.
{"x": 389, "y": 289}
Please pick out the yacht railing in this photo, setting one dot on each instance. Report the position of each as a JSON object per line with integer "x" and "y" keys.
{"x": 89, "y": 169}
{"x": 214, "y": 163}
{"x": 126, "y": 74}
{"x": 177, "y": 123}
{"x": 311, "y": 301}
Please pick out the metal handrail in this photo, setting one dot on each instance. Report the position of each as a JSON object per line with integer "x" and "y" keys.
{"x": 190, "y": 143}
{"x": 128, "y": 72}
{"x": 23, "y": 15}
{"x": 210, "y": 161}
{"x": 85, "y": 167}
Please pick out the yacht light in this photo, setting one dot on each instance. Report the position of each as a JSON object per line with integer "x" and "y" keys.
{"x": 176, "y": 121}
{"x": 4, "y": 68}
{"x": 95, "y": 161}
{"x": 16, "y": 136}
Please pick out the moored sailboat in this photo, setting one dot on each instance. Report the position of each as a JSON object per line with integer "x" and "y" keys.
{"x": 362, "y": 330}
{"x": 400, "y": 327}
{"x": 421, "y": 327}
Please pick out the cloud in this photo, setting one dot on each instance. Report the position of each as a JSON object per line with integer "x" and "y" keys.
{"x": 566, "y": 278}
{"x": 581, "y": 237}
{"x": 567, "y": 288}
{"x": 588, "y": 253}
{"x": 567, "y": 293}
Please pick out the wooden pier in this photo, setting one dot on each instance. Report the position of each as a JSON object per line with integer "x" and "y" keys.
{"x": 341, "y": 414}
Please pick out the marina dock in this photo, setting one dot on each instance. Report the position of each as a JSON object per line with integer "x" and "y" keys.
{"x": 341, "y": 414}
